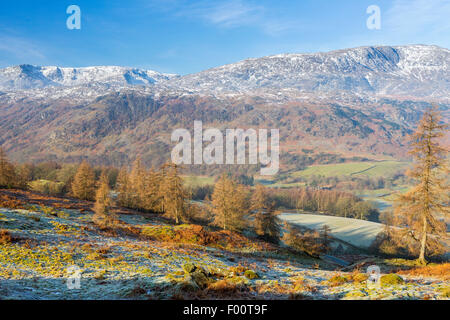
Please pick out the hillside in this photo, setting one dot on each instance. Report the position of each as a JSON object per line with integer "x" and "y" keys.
{"x": 145, "y": 257}
{"x": 360, "y": 233}
{"x": 359, "y": 102}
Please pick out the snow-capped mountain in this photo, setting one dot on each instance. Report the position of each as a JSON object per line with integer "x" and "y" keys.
{"x": 417, "y": 70}
{"x": 32, "y": 77}
{"x": 359, "y": 102}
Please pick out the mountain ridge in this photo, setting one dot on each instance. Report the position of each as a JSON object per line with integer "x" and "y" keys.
{"x": 359, "y": 102}
{"x": 23, "y": 77}
{"x": 420, "y": 70}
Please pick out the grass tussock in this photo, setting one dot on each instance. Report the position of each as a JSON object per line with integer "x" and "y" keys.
{"x": 218, "y": 290}
{"x": 391, "y": 279}
{"x": 10, "y": 202}
{"x": 445, "y": 292}
{"x": 250, "y": 274}
{"x": 301, "y": 285}
{"x": 440, "y": 271}
{"x": 339, "y": 280}
{"x": 199, "y": 235}
{"x": 196, "y": 282}
{"x": 223, "y": 286}
{"x": 5, "y": 237}
{"x": 20, "y": 199}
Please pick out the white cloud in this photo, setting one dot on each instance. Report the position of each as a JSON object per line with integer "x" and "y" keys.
{"x": 19, "y": 48}
{"x": 231, "y": 14}
{"x": 407, "y": 17}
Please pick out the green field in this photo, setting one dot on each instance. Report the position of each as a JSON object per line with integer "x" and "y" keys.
{"x": 197, "y": 181}
{"x": 286, "y": 185}
{"x": 368, "y": 169}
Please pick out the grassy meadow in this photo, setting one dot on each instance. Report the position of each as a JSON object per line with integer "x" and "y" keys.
{"x": 369, "y": 169}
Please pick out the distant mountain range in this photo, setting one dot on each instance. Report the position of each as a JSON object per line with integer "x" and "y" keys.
{"x": 360, "y": 101}
{"x": 421, "y": 71}
{"x": 25, "y": 77}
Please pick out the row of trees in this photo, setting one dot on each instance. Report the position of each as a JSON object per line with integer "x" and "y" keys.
{"x": 7, "y": 172}
{"x": 232, "y": 205}
{"x": 235, "y": 208}
{"x": 10, "y": 175}
{"x": 330, "y": 202}
{"x": 335, "y": 203}
{"x": 348, "y": 183}
{"x": 51, "y": 178}
{"x": 146, "y": 190}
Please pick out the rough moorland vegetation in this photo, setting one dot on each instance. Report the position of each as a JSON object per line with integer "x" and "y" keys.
{"x": 145, "y": 256}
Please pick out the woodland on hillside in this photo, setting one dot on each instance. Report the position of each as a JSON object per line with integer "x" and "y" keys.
{"x": 236, "y": 203}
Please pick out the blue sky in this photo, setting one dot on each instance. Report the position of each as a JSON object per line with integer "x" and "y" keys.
{"x": 186, "y": 36}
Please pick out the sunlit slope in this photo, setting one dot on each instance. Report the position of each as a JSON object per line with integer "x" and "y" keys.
{"x": 368, "y": 169}
{"x": 360, "y": 233}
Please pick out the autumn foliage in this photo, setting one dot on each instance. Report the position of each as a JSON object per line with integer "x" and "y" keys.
{"x": 83, "y": 186}
{"x": 418, "y": 209}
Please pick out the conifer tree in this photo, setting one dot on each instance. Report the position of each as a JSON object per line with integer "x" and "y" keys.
{"x": 430, "y": 196}
{"x": 123, "y": 189}
{"x": 325, "y": 237}
{"x": 7, "y": 172}
{"x": 229, "y": 204}
{"x": 140, "y": 189}
{"x": 291, "y": 235}
{"x": 152, "y": 194}
{"x": 307, "y": 242}
{"x": 266, "y": 222}
{"x": 83, "y": 185}
{"x": 102, "y": 215}
{"x": 172, "y": 193}
{"x": 271, "y": 225}
{"x": 137, "y": 184}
